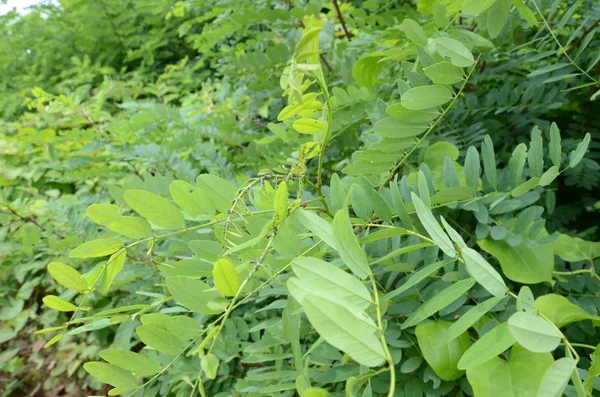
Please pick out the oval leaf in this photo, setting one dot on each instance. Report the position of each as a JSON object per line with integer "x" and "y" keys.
{"x": 155, "y": 209}
{"x": 67, "y": 276}
{"x": 426, "y": 97}
{"x": 226, "y": 277}
{"x": 534, "y": 333}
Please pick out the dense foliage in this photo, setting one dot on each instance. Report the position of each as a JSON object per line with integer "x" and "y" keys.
{"x": 344, "y": 198}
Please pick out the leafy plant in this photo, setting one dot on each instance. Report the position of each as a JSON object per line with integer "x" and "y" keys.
{"x": 353, "y": 204}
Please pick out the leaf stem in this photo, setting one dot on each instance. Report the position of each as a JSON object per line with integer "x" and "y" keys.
{"x": 388, "y": 355}
{"x": 429, "y": 130}
{"x": 564, "y": 51}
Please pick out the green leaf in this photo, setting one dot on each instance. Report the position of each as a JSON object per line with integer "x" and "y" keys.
{"x": 377, "y": 202}
{"x": 521, "y": 263}
{"x": 525, "y": 12}
{"x": 347, "y": 245}
{"x": 361, "y": 205}
{"x": 183, "y": 327}
{"x": 593, "y": 371}
{"x": 155, "y": 209}
{"x": 426, "y": 97}
{"x": 525, "y": 187}
{"x": 577, "y": 155}
{"x": 433, "y": 227}
{"x": 345, "y": 329}
{"x": 516, "y": 164}
{"x": 535, "y": 156}
{"x": 160, "y": 339}
{"x": 210, "y": 365}
{"x": 108, "y": 215}
{"x": 439, "y": 301}
{"x": 444, "y": 73}
{"x": 336, "y": 193}
{"x": 400, "y": 251}
{"x": 318, "y": 275}
{"x": 423, "y": 187}
{"x": 411, "y": 365}
{"x": 487, "y": 347}
{"x": 67, "y": 276}
{"x": 443, "y": 357}
{"x": 93, "y": 326}
{"x": 457, "y": 52}
{"x": 193, "y": 294}
{"x": 221, "y": 192}
{"x": 366, "y": 69}
{"x": 472, "y": 168}
{"x": 483, "y": 272}
{"x": 394, "y": 128}
{"x": 534, "y": 333}
{"x": 56, "y": 303}
{"x": 476, "y": 7}
{"x": 111, "y": 374}
{"x": 555, "y": 149}
{"x": 191, "y": 199}
{"x": 573, "y": 249}
{"x": 557, "y": 377}
{"x": 398, "y": 202}
{"x": 549, "y": 176}
{"x": 497, "y": 16}
{"x": 468, "y": 319}
{"x": 489, "y": 162}
{"x": 416, "y": 279}
{"x": 414, "y": 32}
{"x": 318, "y": 226}
{"x": 54, "y": 339}
{"x": 140, "y": 365}
{"x": 560, "y": 311}
{"x": 226, "y": 277}
{"x": 113, "y": 267}
{"x": 96, "y": 248}
{"x": 526, "y": 301}
{"x": 307, "y": 125}
{"x": 315, "y": 392}
{"x": 399, "y": 112}
{"x": 519, "y": 377}
{"x": 191, "y": 267}
{"x": 280, "y": 205}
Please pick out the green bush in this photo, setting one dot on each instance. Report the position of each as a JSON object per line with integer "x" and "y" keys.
{"x": 301, "y": 198}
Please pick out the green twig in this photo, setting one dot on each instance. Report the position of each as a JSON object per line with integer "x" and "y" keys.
{"x": 429, "y": 130}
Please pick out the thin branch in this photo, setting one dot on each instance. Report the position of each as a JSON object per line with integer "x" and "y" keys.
{"x": 29, "y": 219}
{"x": 341, "y": 17}
{"x": 576, "y": 44}
{"x": 435, "y": 124}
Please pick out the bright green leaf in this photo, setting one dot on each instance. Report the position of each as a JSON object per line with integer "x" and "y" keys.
{"x": 439, "y": 301}
{"x": 226, "y": 277}
{"x": 487, "y": 347}
{"x": 534, "y": 333}
{"x": 96, "y": 248}
{"x": 345, "y": 329}
{"x": 347, "y": 245}
{"x": 426, "y": 97}
{"x": 433, "y": 227}
{"x": 67, "y": 276}
{"x": 442, "y": 357}
{"x": 155, "y": 209}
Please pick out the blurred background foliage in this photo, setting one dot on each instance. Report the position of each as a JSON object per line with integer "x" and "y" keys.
{"x": 97, "y": 97}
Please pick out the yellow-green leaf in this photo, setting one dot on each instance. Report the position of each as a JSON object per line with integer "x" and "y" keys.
{"x": 226, "y": 277}
{"x": 96, "y": 248}
{"x": 56, "y": 303}
{"x": 67, "y": 276}
{"x": 307, "y": 125}
{"x": 155, "y": 209}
